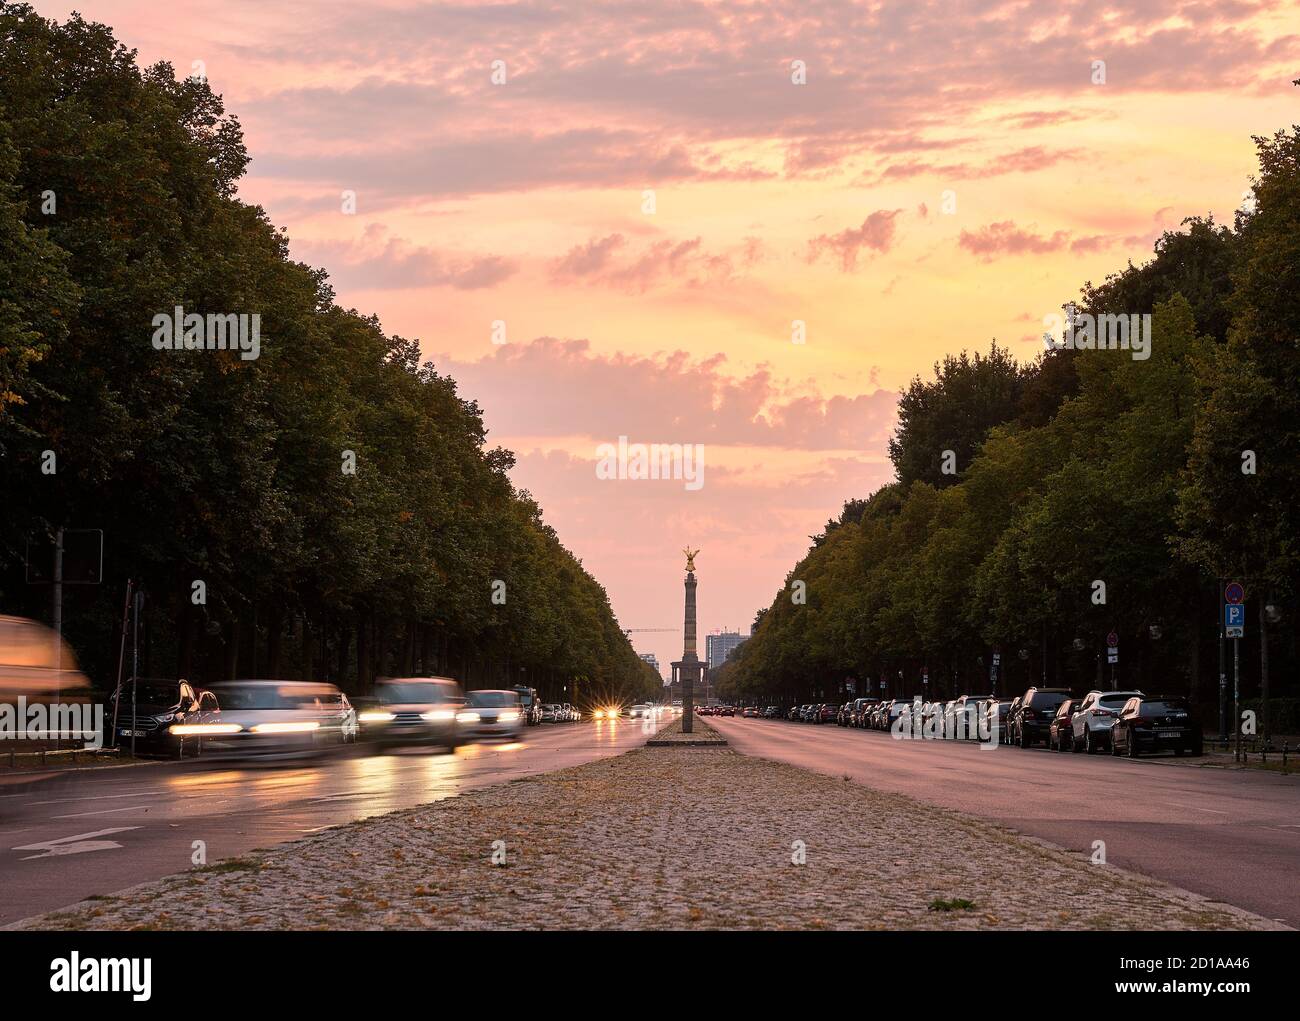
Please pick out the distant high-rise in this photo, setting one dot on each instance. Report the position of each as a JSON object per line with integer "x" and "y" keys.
{"x": 652, "y": 659}
{"x": 718, "y": 647}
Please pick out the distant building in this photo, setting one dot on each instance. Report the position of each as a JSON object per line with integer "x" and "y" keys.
{"x": 721, "y": 645}
{"x": 652, "y": 659}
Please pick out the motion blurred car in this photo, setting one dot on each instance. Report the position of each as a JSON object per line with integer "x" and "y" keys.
{"x": 491, "y": 713}
{"x": 270, "y": 717}
{"x": 1156, "y": 724}
{"x": 750, "y": 712}
{"x": 639, "y": 712}
{"x": 40, "y": 668}
{"x": 143, "y": 713}
{"x": 1033, "y": 717}
{"x": 414, "y": 710}
{"x": 1092, "y": 722}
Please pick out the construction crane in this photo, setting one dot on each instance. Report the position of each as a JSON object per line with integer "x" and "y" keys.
{"x": 645, "y": 630}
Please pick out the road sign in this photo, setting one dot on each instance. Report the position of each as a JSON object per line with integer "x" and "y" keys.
{"x": 1234, "y": 593}
{"x": 1112, "y": 655}
{"x": 997, "y": 658}
{"x": 1112, "y": 640}
{"x": 1234, "y": 621}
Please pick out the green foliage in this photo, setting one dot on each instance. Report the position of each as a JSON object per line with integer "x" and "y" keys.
{"x": 200, "y": 465}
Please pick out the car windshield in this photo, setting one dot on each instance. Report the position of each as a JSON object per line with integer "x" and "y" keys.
{"x": 417, "y": 692}
{"x": 493, "y": 699}
{"x": 1045, "y": 700}
{"x": 1117, "y": 699}
{"x": 152, "y": 693}
{"x": 270, "y": 696}
{"x": 1167, "y": 705}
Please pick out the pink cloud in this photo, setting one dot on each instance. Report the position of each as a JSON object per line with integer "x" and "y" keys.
{"x": 876, "y": 234}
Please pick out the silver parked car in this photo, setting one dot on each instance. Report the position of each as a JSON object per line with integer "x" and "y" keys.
{"x": 1092, "y": 721}
{"x": 490, "y": 713}
{"x": 415, "y": 710}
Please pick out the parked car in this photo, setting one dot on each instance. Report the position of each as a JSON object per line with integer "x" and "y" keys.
{"x": 1033, "y": 717}
{"x": 751, "y": 712}
{"x": 826, "y": 713}
{"x": 996, "y": 711}
{"x": 967, "y": 708}
{"x": 552, "y": 712}
{"x": 532, "y": 704}
{"x": 1060, "y": 732}
{"x": 1154, "y": 724}
{"x": 147, "y": 709}
{"x": 1098, "y": 713}
{"x": 491, "y": 713}
{"x": 414, "y": 710}
{"x": 793, "y": 712}
{"x": 861, "y": 710}
{"x": 771, "y": 713}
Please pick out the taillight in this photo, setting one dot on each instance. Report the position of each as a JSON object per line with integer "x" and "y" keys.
{"x": 1104, "y": 712}
{"x": 1140, "y": 719}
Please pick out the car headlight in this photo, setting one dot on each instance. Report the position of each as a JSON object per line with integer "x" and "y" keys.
{"x": 291, "y": 727}
{"x": 467, "y": 717}
{"x": 438, "y": 714}
{"x": 375, "y": 716}
{"x": 598, "y": 714}
{"x": 509, "y": 716}
{"x": 165, "y": 717}
{"x": 188, "y": 729}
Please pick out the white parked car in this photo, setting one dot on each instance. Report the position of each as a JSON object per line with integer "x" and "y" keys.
{"x": 1091, "y": 724}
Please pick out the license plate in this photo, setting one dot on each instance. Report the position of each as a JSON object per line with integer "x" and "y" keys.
{"x": 1169, "y": 731}
{"x": 132, "y": 733}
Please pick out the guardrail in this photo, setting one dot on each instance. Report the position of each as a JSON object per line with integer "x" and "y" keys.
{"x": 45, "y": 753}
{"x": 1254, "y": 746}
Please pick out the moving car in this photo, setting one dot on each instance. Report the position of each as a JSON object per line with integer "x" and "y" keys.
{"x": 639, "y": 712}
{"x": 414, "y": 710}
{"x": 272, "y": 717}
{"x": 1155, "y": 724}
{"x": 1091, "y": 724}
{"x": 491, "y": 713}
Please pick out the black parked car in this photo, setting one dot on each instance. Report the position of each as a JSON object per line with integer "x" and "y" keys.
{"x": 1060, "y": 732}
{"x": 159, "y": 705}
{"x": 1032, "y": 721}
{"x": 1154, "y": 723}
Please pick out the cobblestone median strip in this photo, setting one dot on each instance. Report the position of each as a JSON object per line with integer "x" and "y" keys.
{"x": 663, "y": 838}
{"x": 701, "y": 736}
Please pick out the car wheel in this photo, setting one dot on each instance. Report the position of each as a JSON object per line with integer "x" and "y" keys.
{"x": 1178, "y": 752}
{"x": 1075, "y": 744}
{"x": 1089, "y": 745}
{"x": 1114, "y": 745}
{"x": 1132, "y": 747}
{"x": 1024, "y": 738}
{"x": 1198, "y": 748}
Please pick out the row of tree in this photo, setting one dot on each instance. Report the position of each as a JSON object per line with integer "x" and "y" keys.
{"x": 1038, "y": 508}
{"x": 335, "y": 498}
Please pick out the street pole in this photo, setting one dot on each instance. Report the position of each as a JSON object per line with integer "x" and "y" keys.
{"x": 1223, "y": 677}
{"x": 58, "y": 618}
{"x": 135, "y": 663}
{"x": 1236, "y": 698}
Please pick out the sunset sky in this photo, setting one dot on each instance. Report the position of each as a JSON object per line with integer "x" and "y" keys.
{"x": 773, "y": 202}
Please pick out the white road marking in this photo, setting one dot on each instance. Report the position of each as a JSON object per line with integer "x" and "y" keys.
{"x": 102, "y": 811}
{"x": 78, "y": 843}
{"x": 97, "y": 797}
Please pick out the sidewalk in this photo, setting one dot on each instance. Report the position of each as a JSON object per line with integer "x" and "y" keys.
{"x": 676, "y": 838}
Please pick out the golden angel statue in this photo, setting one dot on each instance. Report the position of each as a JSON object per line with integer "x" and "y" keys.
{"x": 690, "y": 558}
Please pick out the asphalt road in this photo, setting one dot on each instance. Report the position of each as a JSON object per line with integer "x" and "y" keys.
{"x": 95, "y": 831}
{"x": 1231, "y": 835}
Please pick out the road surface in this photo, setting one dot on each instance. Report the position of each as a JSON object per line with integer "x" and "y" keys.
{"x": 1231, "y": 835}
{"x": 96, "y": 831}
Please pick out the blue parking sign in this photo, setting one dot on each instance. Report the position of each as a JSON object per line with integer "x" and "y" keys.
{"x": 1234, "y": 620}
